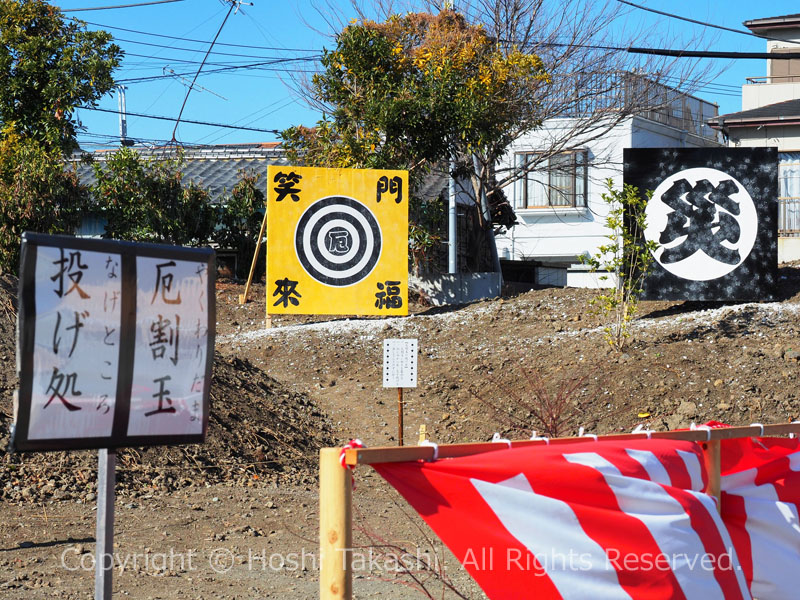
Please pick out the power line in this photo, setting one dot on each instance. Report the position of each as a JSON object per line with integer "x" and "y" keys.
{"x": 223, "y": 64}
{"x": 120, "y": 6}
{"x": 251, "y": 118}
{"x": 702, "y": 23}
{"x": 234, "y": 4}
{"x": 168, "y": 59}
{"x": 191, "y": 49}
{"x": 172, "y": 119}
{"x": 261, "y": 66}
{"x": 184, "y": 39}
{"x": 711, "y": 84}
{"x": 676, "y": 53}
{"x": 112, "y": 139}
{"x": 708, "y": 54}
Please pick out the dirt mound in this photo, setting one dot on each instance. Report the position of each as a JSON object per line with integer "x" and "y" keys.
{"x": 259, "y": 431}
{"x": 496, "y": 365}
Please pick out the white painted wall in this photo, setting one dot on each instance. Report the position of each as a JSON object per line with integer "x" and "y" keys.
{"x": 786, "y": 139}
{"x": 756, "y": 95}
{"x": 788, "y": 249}
{"x": 560, "y": 236}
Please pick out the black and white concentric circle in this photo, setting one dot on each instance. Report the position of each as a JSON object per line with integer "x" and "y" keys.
{"x": 338, "y": 241}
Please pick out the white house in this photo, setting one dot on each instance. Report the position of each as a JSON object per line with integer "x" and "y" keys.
{"x": 770, "y": 116}
{"x": 560, "y": 209}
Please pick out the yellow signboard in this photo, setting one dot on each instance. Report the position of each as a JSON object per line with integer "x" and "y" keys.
{"x": 337, "y": 241}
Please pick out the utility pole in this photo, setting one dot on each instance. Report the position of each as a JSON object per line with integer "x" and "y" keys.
{"x": 123, "y": 119}
{"x": 452, "y": 224}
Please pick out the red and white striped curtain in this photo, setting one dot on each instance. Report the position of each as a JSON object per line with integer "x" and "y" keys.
{"x": 616, "y": 519}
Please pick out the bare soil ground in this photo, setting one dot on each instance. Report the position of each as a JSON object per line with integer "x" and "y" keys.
{"x": 237, "y": 517}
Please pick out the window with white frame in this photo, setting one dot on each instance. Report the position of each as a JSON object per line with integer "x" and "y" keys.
{"x": 789, "y": 194}
{"x": 556, "y": 181}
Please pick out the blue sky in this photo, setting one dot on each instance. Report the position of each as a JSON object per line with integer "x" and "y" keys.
{"x": 286, "y": 37}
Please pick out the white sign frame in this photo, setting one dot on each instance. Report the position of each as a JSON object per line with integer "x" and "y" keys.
{"x": 149, "y": 351}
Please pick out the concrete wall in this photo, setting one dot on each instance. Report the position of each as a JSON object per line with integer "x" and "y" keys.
{"x": 461, "y": 288}
{"x": 788, "y": 249}
{"x": 579, "y": 276}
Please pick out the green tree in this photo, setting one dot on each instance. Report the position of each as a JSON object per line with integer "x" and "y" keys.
{"x": 36, "y": 194}
{"x": 147, "y": 200}
{"x": 628, "y": 256}
{"x": 239, "y": 222}
{"x": 417, "y": 90}
{"x": 48, "y": 67}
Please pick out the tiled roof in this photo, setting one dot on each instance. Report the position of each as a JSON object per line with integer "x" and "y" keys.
{"x": 773, "y": 22}
{"x": 215, "y": 168}
{"x": 770, "y": 114}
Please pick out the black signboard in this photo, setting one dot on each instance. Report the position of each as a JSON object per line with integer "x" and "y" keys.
{"x": 714, "y": 214}
{"x": 115, "y": 344}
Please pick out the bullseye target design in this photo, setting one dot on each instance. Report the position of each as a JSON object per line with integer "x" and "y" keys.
{"x": 338, "y": 241}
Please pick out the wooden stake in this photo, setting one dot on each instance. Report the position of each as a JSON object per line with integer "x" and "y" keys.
{"x": 243, "y": 297}
{"x": 335, "y": 527}
{"x": 712, "y": 456}
{"x": 104, "y": 548}
{"x": 399, "y": 416}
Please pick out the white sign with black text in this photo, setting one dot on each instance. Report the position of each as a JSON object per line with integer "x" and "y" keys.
{"x": 400, "y": 363}
{"x": 115, "y": 344}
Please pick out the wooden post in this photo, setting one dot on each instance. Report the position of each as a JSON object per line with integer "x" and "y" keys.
{"x": 243, "y": 297}
{"x": 399, "y": 416}
{"x": 712, "y": 455}
{"x": 335, "y": 527}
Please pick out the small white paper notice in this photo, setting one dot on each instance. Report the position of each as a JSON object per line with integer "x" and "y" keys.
{"x": 400, "y": 363}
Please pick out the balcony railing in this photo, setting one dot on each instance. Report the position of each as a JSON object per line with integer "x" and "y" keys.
{"x": 765, "y": 79}
{"x": 639, "y": 95}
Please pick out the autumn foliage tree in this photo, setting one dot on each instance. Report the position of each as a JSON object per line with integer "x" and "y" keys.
{"x": 417, "y": 90}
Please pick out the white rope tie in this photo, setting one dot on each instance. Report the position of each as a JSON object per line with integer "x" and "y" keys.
{"x": 705, "y": 428}
{"x": 535, "y": 437}
{"x": 496, "y": 439}
{"x": 433, "y": 445}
